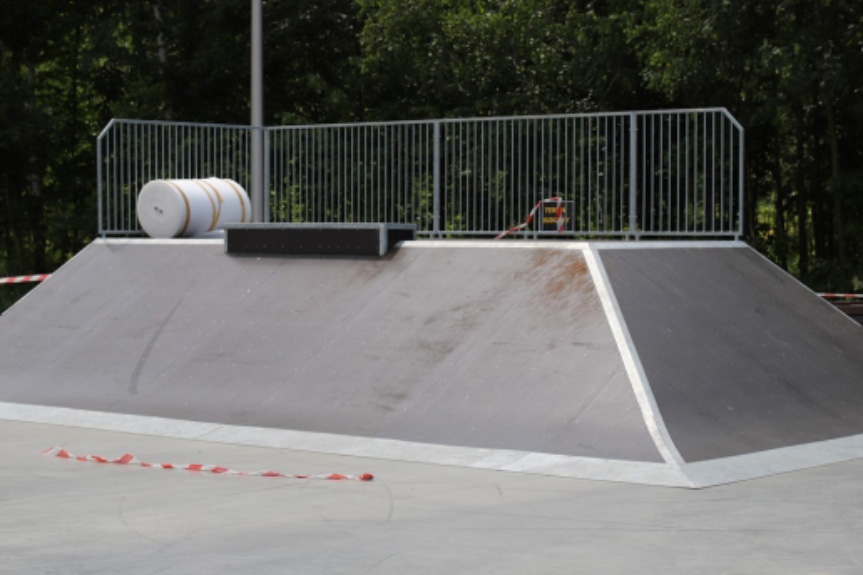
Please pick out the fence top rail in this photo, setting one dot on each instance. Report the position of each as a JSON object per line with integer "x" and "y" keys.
{"x": 679, "y": 111}
{"x": 167, "y": 123}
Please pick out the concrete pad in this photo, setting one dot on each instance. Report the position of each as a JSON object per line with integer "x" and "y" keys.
{"x": 64, "y": 517}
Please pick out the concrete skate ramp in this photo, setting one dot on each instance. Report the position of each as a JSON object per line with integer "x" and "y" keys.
{"x": 490, "y": 348}
{"x": 740, "y": 357}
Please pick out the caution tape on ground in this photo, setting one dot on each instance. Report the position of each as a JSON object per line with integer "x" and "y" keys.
{"x": 560, "y": 218}
{"x": 129, "y": 459}
{"x": 24, "y": 279}
{"x": 841, "y": 295}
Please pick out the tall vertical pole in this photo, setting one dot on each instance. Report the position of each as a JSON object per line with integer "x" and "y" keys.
{"x": 257, "y": 114}
{"x": 633, "y": 176}
{"x": 740, "y": 182}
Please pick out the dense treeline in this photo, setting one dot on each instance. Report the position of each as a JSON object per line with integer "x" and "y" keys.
{"x": 789, "y": 70}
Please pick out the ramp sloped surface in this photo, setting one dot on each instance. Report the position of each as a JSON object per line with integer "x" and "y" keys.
{"x": 496, "y": 348}
{"x": 740, "y": 357}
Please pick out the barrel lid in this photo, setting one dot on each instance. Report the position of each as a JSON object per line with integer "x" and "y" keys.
{"x": 163, "y": 210}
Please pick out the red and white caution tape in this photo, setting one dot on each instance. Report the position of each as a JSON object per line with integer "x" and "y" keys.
{"x": 560, "y": 218}
{"x": 129, "y": 459}
{"x": 841, "y": 295}
{"x": 25, "y": 279}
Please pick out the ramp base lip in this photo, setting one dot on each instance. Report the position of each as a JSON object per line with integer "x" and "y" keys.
{"x": 657, "y": 474}
{"x": 774, "y": 461}
{"x": 692, "y": 475}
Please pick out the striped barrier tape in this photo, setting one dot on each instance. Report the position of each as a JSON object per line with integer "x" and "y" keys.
{"x": 841, "y": 295}
{"x": 560, "y": 218}
{"x": 24, "y": 279}
{"x": 129, "y": 459}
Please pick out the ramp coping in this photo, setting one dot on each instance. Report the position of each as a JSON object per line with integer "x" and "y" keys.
{"x": 483, "y": 244}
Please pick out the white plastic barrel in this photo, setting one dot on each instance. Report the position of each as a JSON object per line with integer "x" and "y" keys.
{"x": 187, "y": 208}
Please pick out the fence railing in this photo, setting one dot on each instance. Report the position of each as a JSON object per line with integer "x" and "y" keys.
{"x": 631, "y": 174}
{"x": 130, "y": 153}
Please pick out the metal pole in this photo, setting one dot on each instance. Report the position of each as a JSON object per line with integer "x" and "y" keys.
{"x": 740, "y": 188}
{"x": 633, "y": 174}
{"x": 257, "y": 174}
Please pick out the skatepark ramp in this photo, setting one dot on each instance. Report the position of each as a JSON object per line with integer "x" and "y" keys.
{"x": 682, "y": 364}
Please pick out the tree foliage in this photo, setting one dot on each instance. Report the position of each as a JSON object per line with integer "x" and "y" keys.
{"x": 789, "y": 70}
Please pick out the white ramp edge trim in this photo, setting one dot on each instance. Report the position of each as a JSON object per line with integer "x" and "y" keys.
{"x": 632, "y": 363}
{"x": 658, "y": 474}
{"x": 159, "y": 241}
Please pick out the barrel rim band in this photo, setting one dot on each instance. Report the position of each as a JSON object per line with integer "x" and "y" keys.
{"x": 185, "y": 201}
{"x": 219, "y": 201}
{"x": 215, "y": 219}
{"x": 234, "y": 186}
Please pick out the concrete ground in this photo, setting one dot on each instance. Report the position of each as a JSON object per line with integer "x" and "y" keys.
{"x": 66, "y": 517}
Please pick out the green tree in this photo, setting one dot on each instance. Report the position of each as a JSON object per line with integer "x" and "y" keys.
{"x": 493, "y": 57}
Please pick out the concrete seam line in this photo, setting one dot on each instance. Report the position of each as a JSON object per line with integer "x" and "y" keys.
{"x": 632, "y": 363}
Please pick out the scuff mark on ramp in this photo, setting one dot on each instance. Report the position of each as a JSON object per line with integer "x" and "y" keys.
{"x": 139, "y": 367}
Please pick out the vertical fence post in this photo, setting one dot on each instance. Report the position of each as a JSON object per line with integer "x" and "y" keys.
{"x": 436, "y": 179}
{"x": 266, "y": 183}
{"x": 740, "y": 178}
{"x": 633, "y": 175}
{"x": 257, "y": 174}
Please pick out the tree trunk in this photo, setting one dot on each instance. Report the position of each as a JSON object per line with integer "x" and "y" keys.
{"x": 780, "y": 233}
{"x": 37, "y": 214}
{"x": 162, "y": 51}
{"x": 835, "y": 191}
{"x": 802, "y": 204}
